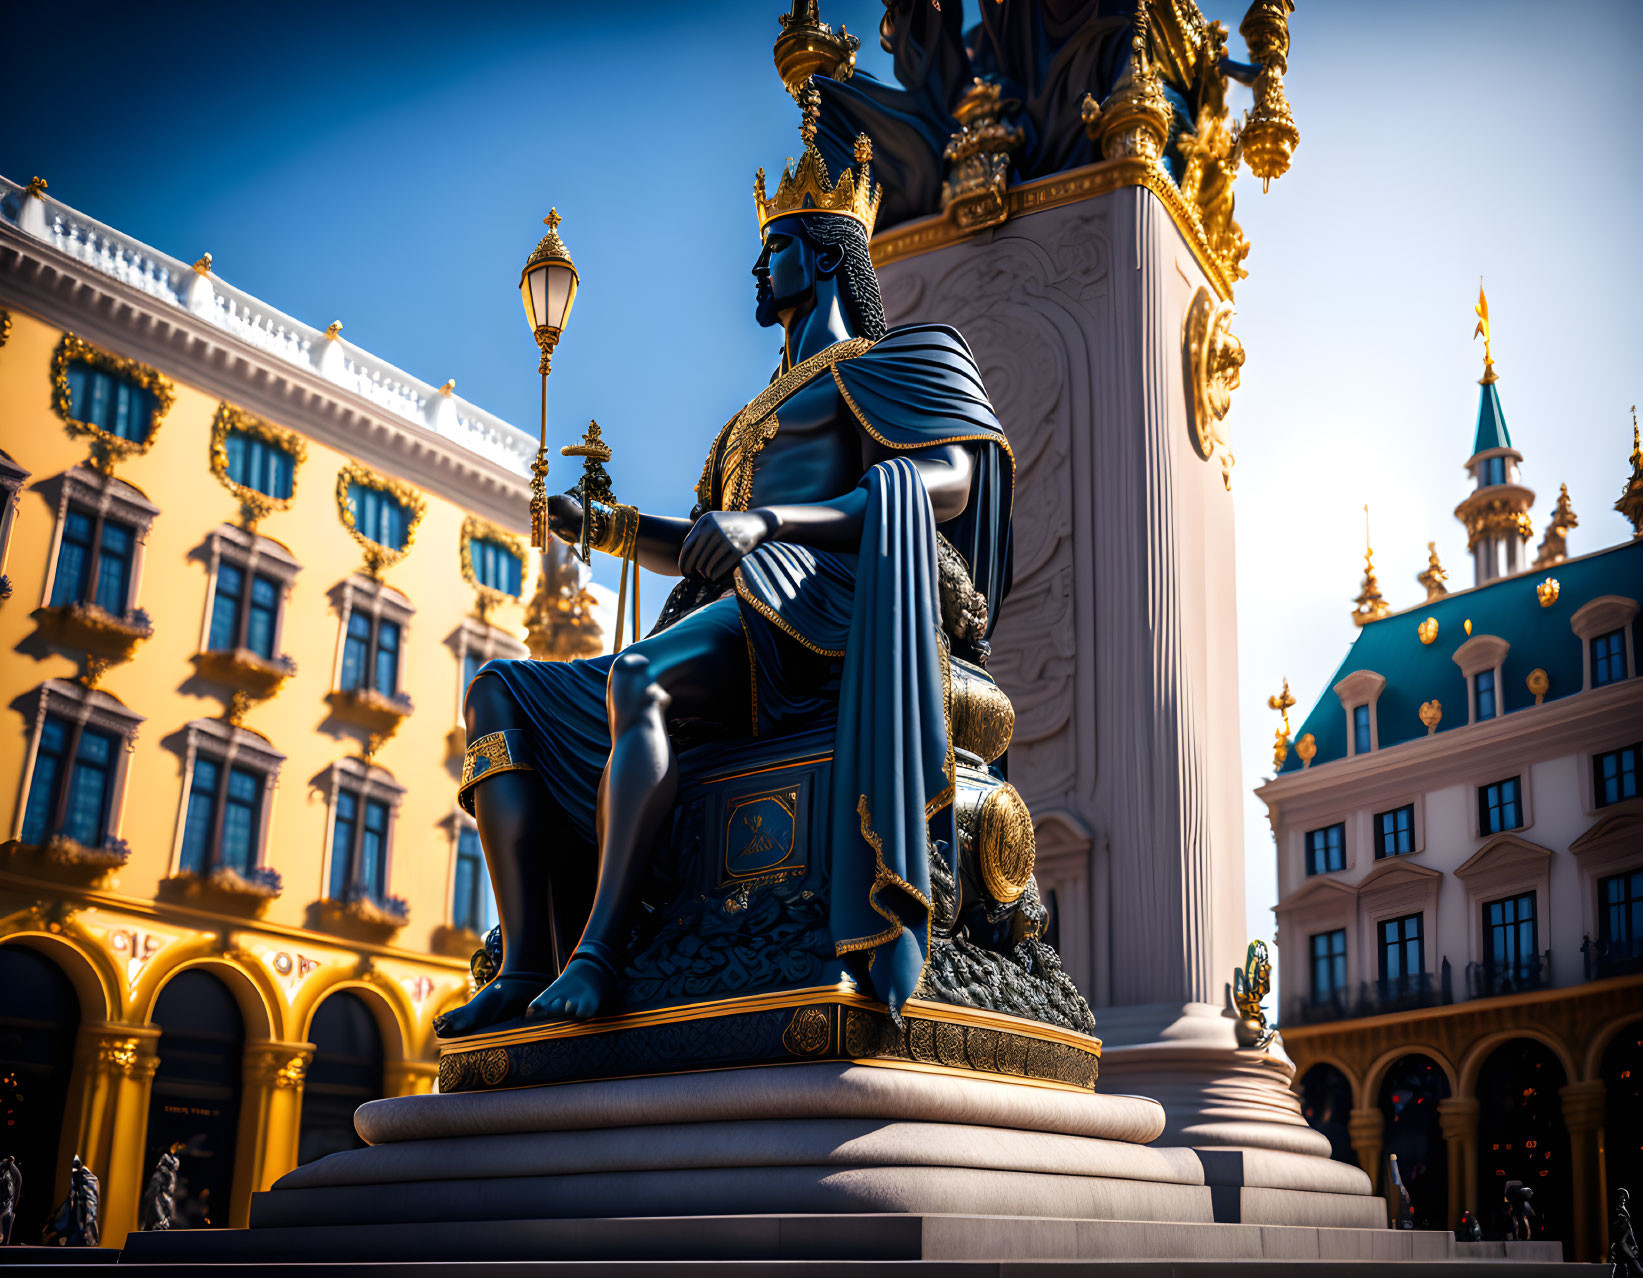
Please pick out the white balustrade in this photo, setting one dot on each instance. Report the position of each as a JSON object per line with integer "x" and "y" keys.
{"x": 172, "y": 281}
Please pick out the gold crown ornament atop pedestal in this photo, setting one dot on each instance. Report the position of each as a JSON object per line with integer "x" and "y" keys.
{"x": 806, "y": 187}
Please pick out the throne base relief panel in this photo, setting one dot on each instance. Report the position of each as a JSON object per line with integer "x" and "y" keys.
{"x": 733, "y": 963}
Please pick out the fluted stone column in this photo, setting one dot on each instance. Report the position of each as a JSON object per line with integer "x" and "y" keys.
{"x": 1118, "y": 642}
{"x": 113, "y": 1075}
{"x": 1458, "y": 1117}
{"x": 1583, "y": 1106}
{"x": 1366, "y": 1128}
{"x": 270, "y": 1119}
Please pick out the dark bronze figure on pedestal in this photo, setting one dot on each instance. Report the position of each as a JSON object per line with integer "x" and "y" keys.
{"x": 847, "y": 554}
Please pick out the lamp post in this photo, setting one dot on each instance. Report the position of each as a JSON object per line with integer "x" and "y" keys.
{"x": 548, "y": 287}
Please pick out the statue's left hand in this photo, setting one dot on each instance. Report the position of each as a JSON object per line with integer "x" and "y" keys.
{"x": 719, "y": 539}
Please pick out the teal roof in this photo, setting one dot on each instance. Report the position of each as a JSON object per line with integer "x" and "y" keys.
{"x": 1492, "y": 432}
{"x": 1417, "y": 672}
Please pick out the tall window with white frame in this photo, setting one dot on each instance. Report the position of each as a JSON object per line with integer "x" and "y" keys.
{"x": 94, "y": 562}
{"x": 1329, "y": 968}
{"x": 473, "y": 907}
{"x": 1500, "y": 806}
{"x": 1511, "y": 955}
{"x": 1395, "y": 832}
{"x": 1483, "y": 693}
{"x": 1402, "y": 957}
{"x": 1614, "y": 775}
{"x": 71, "y": 791}
{"x": 370, "y": 655}
{"x": 244, "y": 611}
{"x": 359, "y": 848}
{"x": 1608, "y": 658}
{"x": 1326, "y": 849}
{"x": 224, "y": 824}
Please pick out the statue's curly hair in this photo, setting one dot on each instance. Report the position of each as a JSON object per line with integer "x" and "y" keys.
{"x": 859, "y": 282}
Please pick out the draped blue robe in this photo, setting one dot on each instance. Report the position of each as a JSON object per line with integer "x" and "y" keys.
{"x": 877, "y": 615}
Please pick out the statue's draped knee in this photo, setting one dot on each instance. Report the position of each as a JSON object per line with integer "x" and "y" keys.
{"x": 496, "y": 739}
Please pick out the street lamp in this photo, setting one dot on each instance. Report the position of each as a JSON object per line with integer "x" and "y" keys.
{"x": 548, "y": 287}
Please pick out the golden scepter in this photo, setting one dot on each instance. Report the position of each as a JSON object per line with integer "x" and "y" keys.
{"x": 606, "y": 524}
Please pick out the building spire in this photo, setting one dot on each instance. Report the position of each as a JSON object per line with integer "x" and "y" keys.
{"x": 1434, "y": 576}
{"x": 1631, "y": 496}
{"x": 1554, "y": 546}
{"x": 1371, "y": 605}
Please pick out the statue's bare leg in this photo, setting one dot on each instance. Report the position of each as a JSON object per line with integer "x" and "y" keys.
{"x": 539, "y": 926}
{"x": 698, "y": 668}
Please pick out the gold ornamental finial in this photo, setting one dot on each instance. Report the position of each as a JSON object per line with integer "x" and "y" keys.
{"x": 1269, "y": 136}
{"x": 203, "y": 266}
{"x": 1134, "y": 121}
{"x": 36, "y": 189}
{"x": 1548, "y": 591}
{"x": 1431, "y": 715}
{"x": 552, "y": 220}
{"x": 807, "y": 188}
{"x": 1280, "y": 745}
{"x": 1631, "y": 496}
{"x": 333, "y": 330}
{"x": 1539, "y": 684}
{"x": 1371, "y": 605}
{"x": 807, "y": 46}
{"x": 1434, "y": 576}
{"x": 1482, "y": 330}
{"x": 1306, "y": 748}
{"x": 448, "y": 388}
{"x": 1554, "y": 546}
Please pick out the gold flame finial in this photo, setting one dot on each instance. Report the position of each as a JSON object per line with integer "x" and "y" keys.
{"x": 203, "y": 266}
{"x": 333, "y": 330}
{"x": 1280, "y": 744}
{"x": 36, "y": 189}
{"x": 552, "y": 220}
{"x": 1371, "y": 605}
{"x": 1482, "y": 330}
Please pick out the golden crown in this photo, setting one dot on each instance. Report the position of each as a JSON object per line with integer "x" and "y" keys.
{"x": 805, "y": 187}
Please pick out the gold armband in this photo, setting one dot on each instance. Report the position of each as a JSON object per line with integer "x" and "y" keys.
{"x": 614, "y": 529}
{"x": 490, "y": 755}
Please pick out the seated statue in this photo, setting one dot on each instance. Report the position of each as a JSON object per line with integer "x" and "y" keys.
{"x": 848, "y": 551}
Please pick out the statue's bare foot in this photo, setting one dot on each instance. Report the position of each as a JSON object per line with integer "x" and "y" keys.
{"x": 504, "y": 999}
{"x": 578, "y": 993}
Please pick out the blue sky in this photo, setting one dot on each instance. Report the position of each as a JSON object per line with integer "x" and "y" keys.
{"x": 388, "y": 166}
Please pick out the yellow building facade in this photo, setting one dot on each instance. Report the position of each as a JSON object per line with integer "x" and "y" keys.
{"x": 248, "y": 572}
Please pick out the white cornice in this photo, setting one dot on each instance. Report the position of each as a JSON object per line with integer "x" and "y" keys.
{"x": 79, "y": 275}
{"x": 1582, "y": 721}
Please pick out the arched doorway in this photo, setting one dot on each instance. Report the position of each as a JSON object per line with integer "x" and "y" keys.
{"x": 39, "y": 1017}
{"x": 346, "y": 1072}
{"x": 194, "y": 1109}
{"x": 1410, "y": 1093}
{"x": 1622, "y": 1125}
{"x": 1521, "y": 1137}
{"x": 1326, "y": 1101}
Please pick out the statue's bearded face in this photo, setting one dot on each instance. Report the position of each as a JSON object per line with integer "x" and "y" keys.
{"x": 785, "y": 271}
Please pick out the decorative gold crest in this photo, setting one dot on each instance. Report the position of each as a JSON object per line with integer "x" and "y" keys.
{"x": 473, "y": 526}
{"x": 254, "y": 506}
{"x": 1540, "y": 683}
{"x": 1305, "y": 749}
{"x": 1428, "y": 630}
{"x": 1431, "y": 715}
{"x": 377, "y": 556}
{"x": 107, "y": 449}
{"x": 1547, "y": 592}
{"x": 1214, "y": 357}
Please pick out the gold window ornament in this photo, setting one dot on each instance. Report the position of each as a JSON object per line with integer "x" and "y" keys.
{"x": 108, "y": 447}
{"x": 477, "y": 529}
{"x": 353, "y": 478}
{"x": 255, "y": 505}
